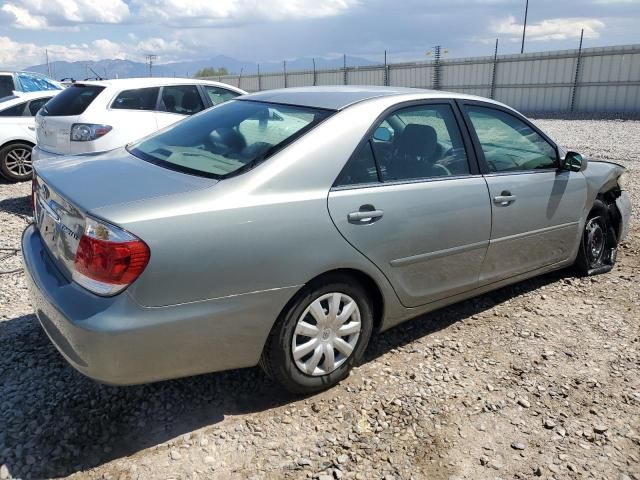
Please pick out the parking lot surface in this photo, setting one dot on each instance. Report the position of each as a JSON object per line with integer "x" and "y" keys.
{"x": 536, "y": 380}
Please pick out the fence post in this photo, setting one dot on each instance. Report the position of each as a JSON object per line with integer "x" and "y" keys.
{"x": 576, "y": 77}
{"x": 284, "y": 68}
{"x": 240, "y": 77}
{"x": 259, "y": 79}
{"x": 386, "y": 70}
{"x": 344, "y": 74}
{"x": 315, "y": 78}
{"x": 493, "y": 73}
{"x": 436, "y": 68}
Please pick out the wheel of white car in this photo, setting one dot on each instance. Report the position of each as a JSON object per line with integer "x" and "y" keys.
{"x": 15, "y": 162}
{"x": 320, "y": 336}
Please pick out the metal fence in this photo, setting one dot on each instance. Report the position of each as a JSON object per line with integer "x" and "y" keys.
{"x": 590, "y": 80}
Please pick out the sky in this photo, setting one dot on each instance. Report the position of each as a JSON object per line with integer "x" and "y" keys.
{"x": 273, "y": 30}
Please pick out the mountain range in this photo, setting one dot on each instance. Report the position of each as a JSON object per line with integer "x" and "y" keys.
{"x": 80, "y": 70}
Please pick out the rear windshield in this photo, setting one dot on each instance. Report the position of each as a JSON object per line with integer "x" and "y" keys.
{"x": 73, "y": 100}
{"x": 32, "y": 82}
{"x": 228, "y": 139}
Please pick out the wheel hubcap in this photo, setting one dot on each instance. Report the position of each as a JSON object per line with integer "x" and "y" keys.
{"x": 18, "y": 161}
{"x": 594, "y": 239}
{"x": 326, "y": 334}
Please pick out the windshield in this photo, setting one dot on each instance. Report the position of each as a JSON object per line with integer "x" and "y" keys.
{"x": 229, "y": 138}
{"x": 34, "y": 83}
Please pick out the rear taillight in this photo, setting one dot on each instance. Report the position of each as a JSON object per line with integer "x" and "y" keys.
{"x": 108, "y": 259}
{"x": 85, "y": 132}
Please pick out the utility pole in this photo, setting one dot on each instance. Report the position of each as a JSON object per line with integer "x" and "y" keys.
{"x": 150, "y": 59}
{"x": 524, "y": 27}
{"x": 46, "y": 53}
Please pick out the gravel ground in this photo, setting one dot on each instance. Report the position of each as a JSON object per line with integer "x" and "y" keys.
{"x": 539, "y": 379}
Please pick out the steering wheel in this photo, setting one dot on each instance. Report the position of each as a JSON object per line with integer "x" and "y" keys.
{"x": 442, "y": 168}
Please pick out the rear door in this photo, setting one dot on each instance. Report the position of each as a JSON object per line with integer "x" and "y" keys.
{"x": 411, "y": 200}
{"x": 536, "y": 206}
{"x": 132, "y": 115}
{"x": 177, "y": 102}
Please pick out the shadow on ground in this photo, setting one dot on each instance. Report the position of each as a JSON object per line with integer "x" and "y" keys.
{"x": 17, "y": 205}
{"x": 55, "y": 422}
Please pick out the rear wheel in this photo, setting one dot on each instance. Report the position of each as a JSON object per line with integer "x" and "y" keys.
{"x": 15, "y": 162}
{"x": 320, "y": 336}
{"x": 597, "y": 252}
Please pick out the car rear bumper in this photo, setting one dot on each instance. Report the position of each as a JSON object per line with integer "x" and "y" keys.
{"x": 40, "y": 154}
{"x": 623, "y": 202}
{"x": 116, "y": 341}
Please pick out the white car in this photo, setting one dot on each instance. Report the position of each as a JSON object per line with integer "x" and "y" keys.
{"x": 17, "y": 132}
{"x": 97, "y": 116}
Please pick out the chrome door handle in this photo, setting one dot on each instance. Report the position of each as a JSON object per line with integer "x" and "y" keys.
{"x": 504, "y": 199}
{"x": 366, "y": 216}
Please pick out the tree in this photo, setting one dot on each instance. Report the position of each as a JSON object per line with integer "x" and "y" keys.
{"x": 211, "y": 72}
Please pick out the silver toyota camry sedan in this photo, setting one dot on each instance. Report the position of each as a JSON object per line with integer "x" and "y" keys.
{"x": 287, "y": 227}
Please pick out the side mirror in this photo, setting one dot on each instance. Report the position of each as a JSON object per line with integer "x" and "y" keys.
{"x": 574, "y": 162}
{"x": 382, "y": 134}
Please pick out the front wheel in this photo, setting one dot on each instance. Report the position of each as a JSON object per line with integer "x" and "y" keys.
{"x": 15, "y": 162}
{"x": 597, "y": 253}
{"x": 320, "y": 336}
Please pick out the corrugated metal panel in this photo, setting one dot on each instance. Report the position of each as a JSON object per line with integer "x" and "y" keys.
{"x": 249, "y": 83}
{"x": 366, "y": 76}
{"x": 330, "y": 77}
{"x": 269, "y": 82}
{"x": 300, "y": 79}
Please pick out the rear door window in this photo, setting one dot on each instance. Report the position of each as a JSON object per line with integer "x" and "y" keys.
{"x": 219, "y": 95}
{"x": 15, "y": 111}
{"x": 137, "y": 99}
{"x": 73, "y": 100}
{"x": 182, "y": 99}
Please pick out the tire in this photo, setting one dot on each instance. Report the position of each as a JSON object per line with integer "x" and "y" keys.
{"x": 15, "y": 162}
{"x": 597, "y": 252}
{"x": 297, "y": 374}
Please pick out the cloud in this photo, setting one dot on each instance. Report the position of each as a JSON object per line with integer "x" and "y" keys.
{"x": 53, "y": 14}
{"x": 203, "y": 13}
{"x": 19, "y": 54}
{"x": 550, "y": 29}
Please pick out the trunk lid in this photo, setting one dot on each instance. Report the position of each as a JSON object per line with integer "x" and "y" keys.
{"x": 53, "y": 134}
{"x": 66, "y": 190}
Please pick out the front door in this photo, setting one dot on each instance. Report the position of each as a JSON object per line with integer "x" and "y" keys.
{"x": 536, "y": 207}
{"x": 409, "y": 200}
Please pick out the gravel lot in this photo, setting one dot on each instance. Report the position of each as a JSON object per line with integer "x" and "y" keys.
{"x": 540, "y": 379}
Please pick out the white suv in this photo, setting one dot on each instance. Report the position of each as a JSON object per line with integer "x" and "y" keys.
{"x": 96, "y": 116}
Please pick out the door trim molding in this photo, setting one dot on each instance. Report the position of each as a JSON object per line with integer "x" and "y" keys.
{"x": 532, "y": 232}
{"x": 423, "y": 257}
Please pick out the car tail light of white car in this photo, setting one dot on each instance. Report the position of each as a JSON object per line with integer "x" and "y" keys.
{"x": 108, "y": 259}
{"x": 85, "y": 132}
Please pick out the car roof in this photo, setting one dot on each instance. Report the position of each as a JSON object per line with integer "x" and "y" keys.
{"x": 122, "y": 83}
{"x": 340, "y": 97}
{"x": 22, "y": 97}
